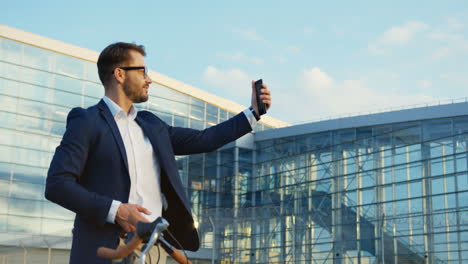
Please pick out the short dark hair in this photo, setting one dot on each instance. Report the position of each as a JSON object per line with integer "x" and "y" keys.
{"x": 114, "y": 56}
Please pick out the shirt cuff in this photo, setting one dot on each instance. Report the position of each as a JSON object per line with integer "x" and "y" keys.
{"x": 113, "y": 211}
{"x": 250, "y": 117}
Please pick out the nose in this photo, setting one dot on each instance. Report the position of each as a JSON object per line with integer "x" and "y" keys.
{"x": 148, "y": 79}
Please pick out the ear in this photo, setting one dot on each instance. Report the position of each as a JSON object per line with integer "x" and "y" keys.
{"x": 119, "y": 75}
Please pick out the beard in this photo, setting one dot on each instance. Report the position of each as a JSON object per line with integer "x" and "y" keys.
{"x": 135, "y": 95}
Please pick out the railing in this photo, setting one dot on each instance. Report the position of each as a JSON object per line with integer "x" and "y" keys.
{"x": 383, "y": 110}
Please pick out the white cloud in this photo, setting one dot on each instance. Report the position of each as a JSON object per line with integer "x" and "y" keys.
{"x": 425, "y": 83}
{"x": 248, "y": 34}
{"x": 456, "y": 23}
{"x": 448, "y": 43}
{"x": 317, "y": 79}
{"x": 235, "y": 83}
{"x": 400, "y": 35}
{"x": 241, "y": 57}
{"x": 318, "y": 95}
{"x": 441, "y": 53}
{"x": 294, "y": 49}
{"x": 309, "y": 30}
{"x": 396, "y": 36}
{"x": 279, "y": 59}
{"x": 375, "y": 49}
{"x": 442, "y": 40}
{"x": 459, "y": 78}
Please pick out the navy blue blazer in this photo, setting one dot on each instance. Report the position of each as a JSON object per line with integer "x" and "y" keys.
{"x": 89, "y": 170}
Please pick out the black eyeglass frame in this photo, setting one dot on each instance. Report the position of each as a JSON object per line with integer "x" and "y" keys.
{"x": 145, "y": 74}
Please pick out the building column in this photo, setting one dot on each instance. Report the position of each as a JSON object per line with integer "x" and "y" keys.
{"x": 236, "y": 193}
{"x": 379, "y": 197}
{"x": 427, "y": 202}
{"x": 337, "y": 210}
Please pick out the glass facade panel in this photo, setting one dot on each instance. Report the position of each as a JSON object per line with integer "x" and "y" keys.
{"x": 38, "y": 59}
{"x": 11, "y": 51}
{"x": 23, "y": 207}
{"x": 24, "y": 224}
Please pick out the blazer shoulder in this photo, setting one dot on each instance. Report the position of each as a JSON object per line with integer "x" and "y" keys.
{"x": 150, "y": 117}
{"x": 83, "y": 116}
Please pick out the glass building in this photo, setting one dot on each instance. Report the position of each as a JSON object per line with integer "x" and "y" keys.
{"x": 383, "y": 188}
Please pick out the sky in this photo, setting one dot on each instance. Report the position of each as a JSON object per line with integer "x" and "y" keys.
{"x": 320, "y": 59}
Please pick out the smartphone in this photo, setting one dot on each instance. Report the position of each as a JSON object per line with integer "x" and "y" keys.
{"x": 260, "y": 103}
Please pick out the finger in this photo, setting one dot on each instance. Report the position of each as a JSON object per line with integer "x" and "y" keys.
{"x": 139, "y": 217}
{"x": 143, "y": 219}
{"x": 266, "y": 91}
{"x": 126, "y": 228}
{"x": 144, "y": 210}
{"x": 267, "y": 97}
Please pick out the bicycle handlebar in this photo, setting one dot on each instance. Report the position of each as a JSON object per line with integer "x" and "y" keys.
{"x": 146, "y": 232}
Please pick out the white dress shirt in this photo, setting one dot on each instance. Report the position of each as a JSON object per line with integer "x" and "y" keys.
{"x": 143, "y": 166}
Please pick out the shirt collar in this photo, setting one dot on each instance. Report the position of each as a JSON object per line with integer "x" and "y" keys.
{"x": 117, "y": 112}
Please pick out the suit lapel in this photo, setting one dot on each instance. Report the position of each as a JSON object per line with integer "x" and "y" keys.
{"x": 106, "y": 114}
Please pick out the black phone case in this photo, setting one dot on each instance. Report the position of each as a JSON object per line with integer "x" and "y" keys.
{"x": 261, "y": 105}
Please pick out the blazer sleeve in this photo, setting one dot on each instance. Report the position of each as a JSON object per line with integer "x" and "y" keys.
{"x": 190, "y": 141}
{"x": 66, "y": 168}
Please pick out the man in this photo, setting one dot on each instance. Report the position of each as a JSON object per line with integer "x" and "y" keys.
{"x": 115, "y": 166}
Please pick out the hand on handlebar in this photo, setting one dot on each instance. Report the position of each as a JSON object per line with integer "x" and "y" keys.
{"x": 128, "y": 216}
{"x": 145, "y": 231}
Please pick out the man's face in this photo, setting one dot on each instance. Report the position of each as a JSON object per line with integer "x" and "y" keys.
{"x": 136, "y": 84}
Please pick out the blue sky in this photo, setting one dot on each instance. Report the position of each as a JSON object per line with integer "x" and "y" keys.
{"x": 319, "y": 58}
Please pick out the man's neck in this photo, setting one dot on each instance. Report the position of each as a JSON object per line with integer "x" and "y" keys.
{"x": 120, "y": 99}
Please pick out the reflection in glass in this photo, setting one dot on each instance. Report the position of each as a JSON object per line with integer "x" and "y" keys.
{"x": 90, "y": 101}
{"x": 35, "y": 77}
{"x": 68, "y": 66}
{"x": 29, "y": 174}
{"x": 10, "y": 50}
{"x": 5, "y": 154}
{"x": 30, "y": 157}
{"x": 8, "y": 103}
{"x": 32, "y": 124}
{"x": 8, "y": 87}
{"x": 24, "y": 224}
{"x": 3, "y": 222}
{"x": 27, "y": 190}
{"x": 10, "y": 71}
{"x": 38, "y": 58}
{"x": 55, "y": 211}
{"x": 56, "y": 227}
{"x": 5, "y": 170}
{"x": 93, "y": 89}
{"x": 91, "y": 72}
{"x": 67, "y": 99}
{"x": 33, "y": 92}
{"x": 23, "y": 207}
{"x": 180, "y": 121}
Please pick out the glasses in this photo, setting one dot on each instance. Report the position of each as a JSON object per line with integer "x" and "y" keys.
{"x": 145, "y": 74}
